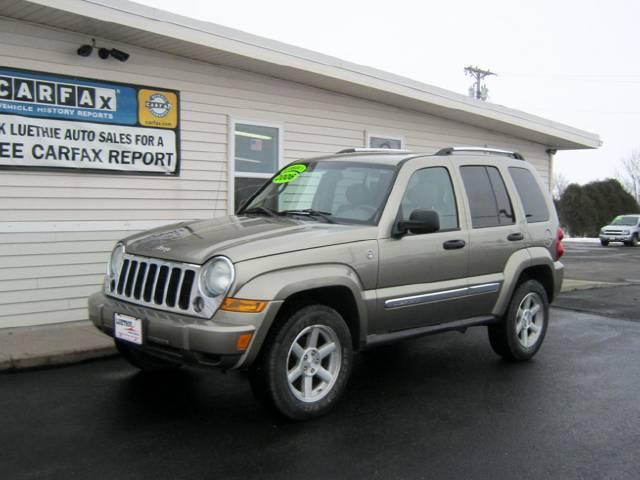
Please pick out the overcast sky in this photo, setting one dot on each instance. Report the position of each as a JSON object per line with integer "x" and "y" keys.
{"x": 575, "y": 62}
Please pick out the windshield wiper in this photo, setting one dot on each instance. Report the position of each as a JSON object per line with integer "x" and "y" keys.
{"x": 310, "y": 212}
{"x": 261, "y": 210}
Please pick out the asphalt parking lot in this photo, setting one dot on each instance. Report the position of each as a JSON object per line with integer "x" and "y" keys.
{"x": 616, "y": 265}
{"x": 437, "y": 407}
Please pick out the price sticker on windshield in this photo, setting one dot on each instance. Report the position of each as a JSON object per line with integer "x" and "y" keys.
{"x": 290, "y": 173}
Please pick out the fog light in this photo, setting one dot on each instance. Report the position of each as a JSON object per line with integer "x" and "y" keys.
{"x": 198, "y": 304}
{"x": 243, "y": 341}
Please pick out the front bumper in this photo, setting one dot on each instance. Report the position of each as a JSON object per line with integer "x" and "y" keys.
{"x": 186, "y": 339}
{"x": 616, "y": 238}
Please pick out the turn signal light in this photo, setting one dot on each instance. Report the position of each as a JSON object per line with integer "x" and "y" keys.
{"x": 243, "y": 306}
{"x": 559, "y": 246}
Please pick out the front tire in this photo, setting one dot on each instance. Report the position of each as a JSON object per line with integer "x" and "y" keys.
{"x": 520, "y": 333}
{"x": 144, "y": 361}
{"x": 305, "y": 363}
{"x": 604, "y": 243}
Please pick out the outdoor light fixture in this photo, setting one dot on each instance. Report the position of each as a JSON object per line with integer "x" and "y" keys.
{"x": 103, "y": 53}
{"x": 119, "y": 55}
{"x": 85, "y": 50}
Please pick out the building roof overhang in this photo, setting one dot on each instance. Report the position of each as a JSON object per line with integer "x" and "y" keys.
{"x": 146, "y": 27}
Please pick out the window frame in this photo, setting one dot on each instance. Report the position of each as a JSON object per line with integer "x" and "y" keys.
{"x": 231, "y": 156}
{"x": 368, "y": 134}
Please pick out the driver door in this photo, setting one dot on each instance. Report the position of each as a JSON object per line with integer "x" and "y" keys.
{"x": 422, "y": 277}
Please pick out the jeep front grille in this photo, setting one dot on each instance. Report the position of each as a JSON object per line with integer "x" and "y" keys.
{"x": 156, "y": 283}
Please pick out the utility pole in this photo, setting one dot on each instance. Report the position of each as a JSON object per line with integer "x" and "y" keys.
{"x": 478, "y": 90}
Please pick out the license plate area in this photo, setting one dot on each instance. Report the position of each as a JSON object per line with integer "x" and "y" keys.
{"x": 128, "y": 328}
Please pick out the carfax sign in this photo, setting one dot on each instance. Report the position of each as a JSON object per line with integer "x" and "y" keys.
{"x": 56, "y": 121}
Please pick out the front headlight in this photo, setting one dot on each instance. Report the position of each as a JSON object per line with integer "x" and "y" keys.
{"x": 216, "y": 277}
{"x": 116, "y": 260}
{"x": 626, "y": 232}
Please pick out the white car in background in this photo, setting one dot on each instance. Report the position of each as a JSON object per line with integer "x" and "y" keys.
{"x": 623, "y": 228}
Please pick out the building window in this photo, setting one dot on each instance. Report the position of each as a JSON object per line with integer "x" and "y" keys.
{"x": 255, "y": 158}
{"x": 376, "y": 140}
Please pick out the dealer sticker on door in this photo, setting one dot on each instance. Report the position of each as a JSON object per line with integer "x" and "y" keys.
{"x": 128, "y": 328}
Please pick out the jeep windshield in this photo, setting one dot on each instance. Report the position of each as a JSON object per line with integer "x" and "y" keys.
{"x": 626, "y": 221}
{"x": 326, "y": 191}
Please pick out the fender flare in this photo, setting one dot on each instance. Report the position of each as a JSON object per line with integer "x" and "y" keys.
{"x": 518, "y": 263}
{"x": 279, "y": 285}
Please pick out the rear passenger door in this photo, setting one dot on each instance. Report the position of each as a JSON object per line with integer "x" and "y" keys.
{"x": 495, "y": 231}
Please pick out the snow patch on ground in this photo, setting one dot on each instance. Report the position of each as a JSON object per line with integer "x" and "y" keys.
{"x": 582, "y": 239}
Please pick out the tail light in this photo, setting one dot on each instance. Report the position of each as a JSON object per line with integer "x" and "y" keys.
{"x": 559, "y": 246}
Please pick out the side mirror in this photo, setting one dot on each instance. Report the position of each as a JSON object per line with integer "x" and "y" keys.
{"x": 420, "y": 221}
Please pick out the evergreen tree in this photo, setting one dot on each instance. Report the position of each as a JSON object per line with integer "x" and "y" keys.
{"x": 583, "y": 210}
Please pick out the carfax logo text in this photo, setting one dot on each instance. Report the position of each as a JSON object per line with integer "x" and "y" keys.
{"x": 60, "y": 94}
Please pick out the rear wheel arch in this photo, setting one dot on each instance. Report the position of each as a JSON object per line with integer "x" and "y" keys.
{"x": 542, "y": 274}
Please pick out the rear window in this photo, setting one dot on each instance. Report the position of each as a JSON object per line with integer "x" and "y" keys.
{"x": 489, "y": 201}
{"x": 533, "y": 201}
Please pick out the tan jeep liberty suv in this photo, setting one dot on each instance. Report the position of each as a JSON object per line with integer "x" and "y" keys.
{"x": 336, "y": 254}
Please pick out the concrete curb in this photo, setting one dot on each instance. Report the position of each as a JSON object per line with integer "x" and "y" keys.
{"x": 55, "y": 359}
{"x": 570, "y": 285}
{"x": 52, "y": 345}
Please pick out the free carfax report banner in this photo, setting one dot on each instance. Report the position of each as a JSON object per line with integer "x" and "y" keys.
{"x": 56, "y": 121}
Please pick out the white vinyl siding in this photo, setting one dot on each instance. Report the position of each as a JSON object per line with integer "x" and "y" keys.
{"x": 57, "y": 228}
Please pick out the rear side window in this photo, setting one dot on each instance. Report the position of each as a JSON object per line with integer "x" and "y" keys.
{"x": 488, "y": 198}
{"x": 533, "y": 201}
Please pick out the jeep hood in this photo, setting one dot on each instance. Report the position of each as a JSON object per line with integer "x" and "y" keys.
{"x": 242, "y": 238}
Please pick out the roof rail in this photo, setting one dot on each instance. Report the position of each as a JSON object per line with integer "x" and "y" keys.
{"x": 452, "y": 150}
{"x": 373, "y": 150}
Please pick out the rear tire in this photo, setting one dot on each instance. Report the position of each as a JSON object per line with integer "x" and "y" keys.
{"x": 144, "y": 361}
{"x": 305, "y": 363}
{"x": 520, "y": 333}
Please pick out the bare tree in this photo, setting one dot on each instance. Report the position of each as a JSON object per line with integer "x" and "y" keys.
{"x": 560, "y": 184}
{"x": 631, "y": 173}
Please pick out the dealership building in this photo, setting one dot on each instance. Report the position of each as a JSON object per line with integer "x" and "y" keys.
{"x": 115, "y": 118}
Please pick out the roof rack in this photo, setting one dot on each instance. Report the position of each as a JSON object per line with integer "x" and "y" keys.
{"x": 373, "y": 150}
{"x": 452, "y": 150}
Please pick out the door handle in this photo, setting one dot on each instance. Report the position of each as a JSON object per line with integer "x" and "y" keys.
{"x": 453, "y": 244}
{"x": 514, "y": 237}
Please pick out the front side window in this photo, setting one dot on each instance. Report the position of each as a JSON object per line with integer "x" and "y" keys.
{"x": 342, "y": 192}
{"x": 431, "y": 189}
{"x": 533, "y": 202}
{"x": 489, "y": 201}
{"x": 257, "y": 158}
